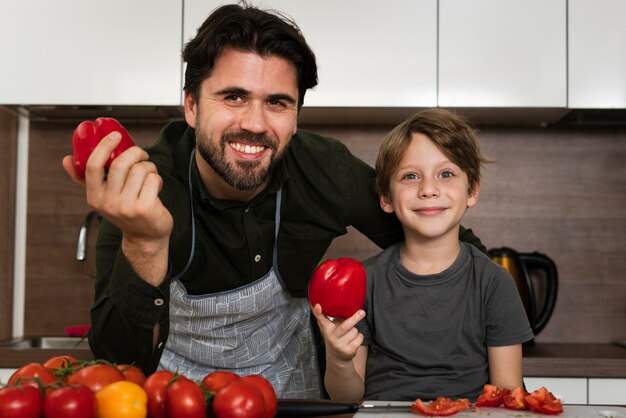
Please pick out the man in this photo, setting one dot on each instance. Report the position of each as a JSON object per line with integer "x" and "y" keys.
{"x": 212, "y": 234}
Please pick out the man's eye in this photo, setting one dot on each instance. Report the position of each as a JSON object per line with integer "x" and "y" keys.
{"x": 233, "y": 98}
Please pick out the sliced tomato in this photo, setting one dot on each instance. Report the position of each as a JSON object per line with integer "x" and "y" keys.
{"x": 491, "y": 396}
{"x": 440, "y": 407}
{"x": 515, "y": 399}
{"x": 544, "y": 402}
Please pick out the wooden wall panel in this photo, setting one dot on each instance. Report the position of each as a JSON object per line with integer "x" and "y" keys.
{"x": 560, "y": 191}
{"x": 59, "y": 288}
{"x": 8, "y": 153}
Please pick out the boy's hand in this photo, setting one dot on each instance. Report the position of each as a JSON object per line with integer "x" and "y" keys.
{"x": 341, "y": 337}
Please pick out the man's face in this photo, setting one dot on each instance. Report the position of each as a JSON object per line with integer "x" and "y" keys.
{"x": 244, "y": 118}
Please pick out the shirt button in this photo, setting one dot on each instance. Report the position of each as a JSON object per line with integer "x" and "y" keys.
{"x": 160, "y": 345}
{"x": 257, "y": 258}
{"x": 159, "y": 302}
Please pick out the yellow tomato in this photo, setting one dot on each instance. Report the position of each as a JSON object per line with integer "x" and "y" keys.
{"x": 122, "y": 399}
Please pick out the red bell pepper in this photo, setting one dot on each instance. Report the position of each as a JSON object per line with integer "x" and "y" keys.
{"x": 492, "y": 396}
{"x": 88, "y": 134}
{"x": 544, "y": 402}
{"x": 338, "y": 286}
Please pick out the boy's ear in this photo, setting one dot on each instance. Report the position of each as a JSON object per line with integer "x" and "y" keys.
{"x": 385, "y": 204}
{"x": 473, "y": 196}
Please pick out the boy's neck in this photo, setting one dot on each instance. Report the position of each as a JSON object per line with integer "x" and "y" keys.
{"x": 427, "y": 256}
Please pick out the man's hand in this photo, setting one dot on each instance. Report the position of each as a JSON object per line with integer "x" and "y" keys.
{"x": 128, "y": 197}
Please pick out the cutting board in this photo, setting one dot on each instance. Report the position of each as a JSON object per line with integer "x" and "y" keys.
{"x": 569, "y": 411}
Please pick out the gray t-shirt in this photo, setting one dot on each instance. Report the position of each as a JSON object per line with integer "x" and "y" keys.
{"x": 428, "y": 335}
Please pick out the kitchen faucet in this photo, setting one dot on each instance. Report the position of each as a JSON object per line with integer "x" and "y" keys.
{"x": 81, "y": 248}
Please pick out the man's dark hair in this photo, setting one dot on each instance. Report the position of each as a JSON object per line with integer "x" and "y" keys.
{"x": 246, "y": 28}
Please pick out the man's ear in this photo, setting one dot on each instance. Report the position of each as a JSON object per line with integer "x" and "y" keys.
{"x": 473, "y": 196}
{"x": 191, "y": 109}
{"x": 385, "y": 204}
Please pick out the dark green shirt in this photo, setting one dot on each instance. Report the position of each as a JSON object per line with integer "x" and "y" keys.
{"x": 324, "y": 190}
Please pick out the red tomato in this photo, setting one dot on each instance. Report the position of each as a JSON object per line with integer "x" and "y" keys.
{"x": 132, "y": 373}
{"x": 515, "y": 399}
{"x": 155, "y": 386}
{"x": 59, "y": 362}
{"x": 184, "y": 399}
{"x": 491, "y": 396}
{"x": 29, "y": 373}
{"x": 544, "y": 402}
{"x": 216, "y": 380}
{"x": 268, "y": 392}
{"x": 96, "y": 376}
{"x": 338, "y": 286}
{"x": 20, "y": 402}
{"x": 440, "y": 407}
{"x": 239, "y": 399}
{"x": 75, "y": 401}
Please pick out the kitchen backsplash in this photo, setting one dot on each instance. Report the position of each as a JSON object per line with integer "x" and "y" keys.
{"x": 557, "y": 190}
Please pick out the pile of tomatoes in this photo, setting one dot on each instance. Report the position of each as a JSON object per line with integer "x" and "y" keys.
{"x": 541, "y": 401}
{"x": 63, "y": 387}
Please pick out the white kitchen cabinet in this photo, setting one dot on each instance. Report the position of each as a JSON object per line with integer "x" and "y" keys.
{"x": 370, "y": 52}
{"x": 607, "y": 391}
{"x": 5, "y": 374}
{"x": 597, "y": 54}
{"x": 89, "y": 52}
{"x": 502, "y": 53}
{"x": 571, "y": 390}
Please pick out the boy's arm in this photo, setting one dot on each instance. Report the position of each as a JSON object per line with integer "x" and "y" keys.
{"x": 505, "y": 366}
{"x": 345, "y": 356}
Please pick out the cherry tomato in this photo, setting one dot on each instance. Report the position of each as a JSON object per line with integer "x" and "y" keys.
{"x": 215, "y": 381}
{"x": 20, "y": 402}
{"x": 132, "y": 373}
{"x": 74, "y": 401}
{"x": 59, "y": 362}
{"x": 185, "y": 399}
{"x": 96, "y": 376}
{"x": 268, "y": 392}
{"x": 492, "y": 396}
{"x": 30, "y": 374}
{"x": 155, "y": 386}
{"x": 122, "y": 399}
{"x": 515, "y": 399}
{"x": 239, "y": 399}
{"x": 440, "y": 407}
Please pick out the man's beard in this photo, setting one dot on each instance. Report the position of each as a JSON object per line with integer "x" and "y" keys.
{"x": 243, "y": 175}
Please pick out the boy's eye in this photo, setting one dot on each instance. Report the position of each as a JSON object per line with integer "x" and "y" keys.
{"x": 446, "y": 174}
{"x": 409, "y": 176}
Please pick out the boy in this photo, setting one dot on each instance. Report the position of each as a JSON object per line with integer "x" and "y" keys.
{"x": 442, "y": 318}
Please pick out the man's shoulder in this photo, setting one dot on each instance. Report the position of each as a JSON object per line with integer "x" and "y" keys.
{"x": 310, "y": 142}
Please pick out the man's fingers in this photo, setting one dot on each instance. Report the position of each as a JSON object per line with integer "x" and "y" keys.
{"x": 68, "y": 166}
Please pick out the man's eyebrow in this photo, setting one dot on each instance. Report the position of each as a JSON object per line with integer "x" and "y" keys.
{"x": 283, "y": 97}
{"x": 235, "y": 91}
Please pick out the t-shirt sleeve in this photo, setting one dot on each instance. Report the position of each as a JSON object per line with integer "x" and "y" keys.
{"x": 506, "y": 321}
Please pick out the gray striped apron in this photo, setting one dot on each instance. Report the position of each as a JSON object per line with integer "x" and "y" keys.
{"x": 254, "y": 329}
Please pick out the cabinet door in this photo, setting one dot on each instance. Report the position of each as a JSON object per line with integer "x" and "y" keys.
{"x": 502, "y": 53}
{"x": 597, "y": 54}
{"x": 369, "y": 53}
{"x": 90, "y": 52}
{"x": 607, "y": 391}
{"x": 571, "y": 390}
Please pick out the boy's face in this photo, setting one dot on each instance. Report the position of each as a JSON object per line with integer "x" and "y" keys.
{"x": 428, "y": 192}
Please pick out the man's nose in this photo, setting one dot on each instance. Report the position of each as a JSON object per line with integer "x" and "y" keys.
{"x": 254, "y": 119}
